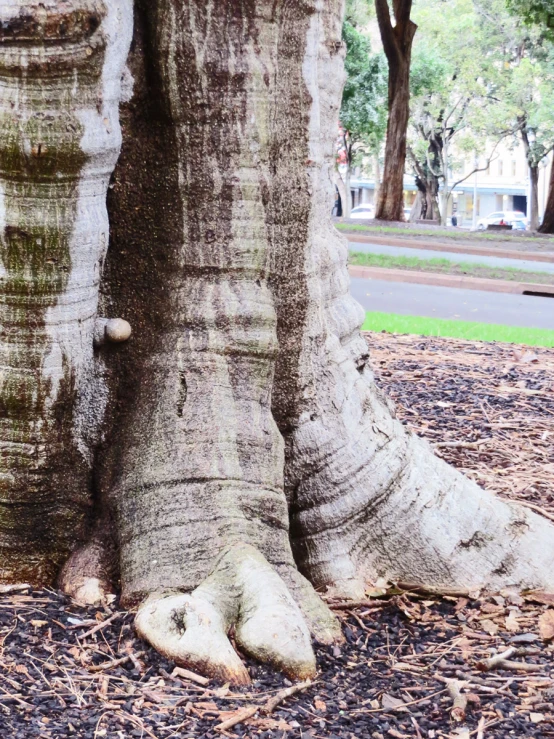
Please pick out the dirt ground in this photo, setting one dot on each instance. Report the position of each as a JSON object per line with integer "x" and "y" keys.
{"x": 413, "y": 665}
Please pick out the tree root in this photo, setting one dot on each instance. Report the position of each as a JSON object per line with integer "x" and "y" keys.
{"x": 87, "y": 576}
{"x": 243, "y": 591}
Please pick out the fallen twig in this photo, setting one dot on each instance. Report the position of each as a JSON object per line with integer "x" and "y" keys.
{"x": 113, "y": 663}
{"x": 502, "y": 661}
{"x": 535, "y": 508}
{"x": 272, "y": 703}
{"x": 6, "y": 589}
{"x": 481, "y": 728}
{"x": 100, "y": 626}
{"x": 238, "y": 717}
{"x": 348, "y": 604}
{"x": 458, "y": 710}
{"x": 188, "y": 675}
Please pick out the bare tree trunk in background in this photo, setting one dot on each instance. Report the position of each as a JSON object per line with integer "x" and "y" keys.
{"x": 534, "y": 210}
{"x": 426, "y": 204}
{"x": 397, "y": 43}
{"x": 533, "y": 179}
{"x": 547, "y": 226}
{"x": 376, "y": 177}
{"x": 238, "y": 438}
{"x": 343, "y": 184}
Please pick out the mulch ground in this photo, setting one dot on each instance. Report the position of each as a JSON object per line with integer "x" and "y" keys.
{"x": 413, "y": 664}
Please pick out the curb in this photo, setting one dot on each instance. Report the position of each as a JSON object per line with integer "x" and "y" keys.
{"x": 482, "y": 251}
{"x": 455, "y": 281}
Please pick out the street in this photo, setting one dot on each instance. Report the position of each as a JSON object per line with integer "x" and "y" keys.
{"x": 443, "y": 302}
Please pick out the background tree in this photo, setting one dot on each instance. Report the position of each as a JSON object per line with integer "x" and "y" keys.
{"x": 539, "y": 13}
{"x": 454, "y": 112}
{"x": 363, "y": 109}
{"x": 234, "y": 452}
{"x": 397, "y": 41}
{"x": 523, "y": 58}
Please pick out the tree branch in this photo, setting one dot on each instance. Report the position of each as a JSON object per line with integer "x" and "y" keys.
{"x": 388, "y": 37}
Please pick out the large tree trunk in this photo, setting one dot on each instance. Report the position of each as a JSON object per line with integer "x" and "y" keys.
{"x": 547, "y": 226}
{"x": 239, "y": 434}
{"x": 59, "y": 142}
{"x": 397, "y": 43}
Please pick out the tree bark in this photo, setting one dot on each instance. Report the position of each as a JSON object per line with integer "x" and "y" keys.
{"x": 397, "y": 43}
{"x": 238, "y": 435}
{"x": 534, "y": 193}
{"x": 547, "y": 226}
{"x": 60, "y": 71}
{"x": 533, "y": 178}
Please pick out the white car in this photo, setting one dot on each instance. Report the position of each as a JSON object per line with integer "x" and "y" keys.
{"x": 363, "y": 211}
{"x": 514, "y": 218}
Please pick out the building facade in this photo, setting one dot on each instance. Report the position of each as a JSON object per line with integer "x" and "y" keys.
{"x": 503, "y": 185}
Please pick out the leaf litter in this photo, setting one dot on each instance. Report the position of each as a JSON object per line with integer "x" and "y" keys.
{"x": 415, "y": 663}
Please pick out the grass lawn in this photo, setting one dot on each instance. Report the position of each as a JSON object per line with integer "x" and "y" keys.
{"x": 397, "y": 324}
{"x": 447, "y": 266}
{"x": 449, "y": 233}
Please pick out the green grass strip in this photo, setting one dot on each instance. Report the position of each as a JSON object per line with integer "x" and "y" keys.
{"x": 447, "y": 266}
{"x": 445, "y": 233}
{"x": 398, "y": 324}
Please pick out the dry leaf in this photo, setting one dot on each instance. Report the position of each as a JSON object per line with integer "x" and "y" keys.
{"x": 536, "y": 718}
{"x": 512, "y": 623}
{"x": 465, "y": 648}
{"x": 389, "y": 701}
{"x": 320, "y": 705}
{"x": 491, "y": 608}
{"x": 546, "y": 599}
{"x": 546, "y": 625}
{"x": 489, "y": 626}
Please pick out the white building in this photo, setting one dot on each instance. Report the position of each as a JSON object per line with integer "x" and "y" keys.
{"x": 504, "y": 185}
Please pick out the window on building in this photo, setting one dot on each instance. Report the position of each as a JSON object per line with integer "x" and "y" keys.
{"x": 514, "y": 168}
{"x": 500, "y": 167}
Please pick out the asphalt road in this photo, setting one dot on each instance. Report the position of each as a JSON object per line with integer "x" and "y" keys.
{"x": 400, "y": 251}
{"x": 444, "y": 302}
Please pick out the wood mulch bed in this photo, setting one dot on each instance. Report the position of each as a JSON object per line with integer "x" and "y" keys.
{"x": 413, "y": 664}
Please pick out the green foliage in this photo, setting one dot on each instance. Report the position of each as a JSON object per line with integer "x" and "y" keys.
{"x": 364, "y": 107}
{"x": 538, "y": 12}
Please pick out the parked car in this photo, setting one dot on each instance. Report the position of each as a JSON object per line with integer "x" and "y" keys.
{"x": 363, "y": 211}
{"x": 407, "y": 212}
{"x": 514, "y": 218}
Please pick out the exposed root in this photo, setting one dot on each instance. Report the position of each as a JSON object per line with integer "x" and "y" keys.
{"x": 243, "y": 591}
{"x": 87, "y": 575}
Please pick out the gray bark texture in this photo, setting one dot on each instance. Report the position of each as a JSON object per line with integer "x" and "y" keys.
{"x": 232, "y": 452}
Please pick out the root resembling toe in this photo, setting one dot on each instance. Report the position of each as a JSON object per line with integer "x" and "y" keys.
{"x": 270, "y": 625}
{"x": 243, "y": 591}
{"x": 192, "y": 632}
{"x": 85, "y": 577}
